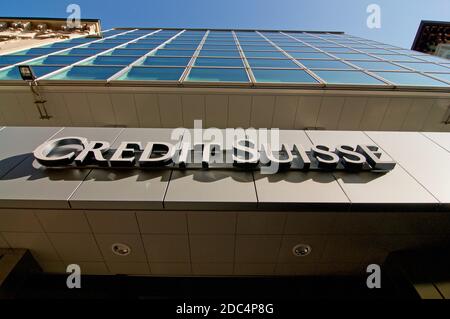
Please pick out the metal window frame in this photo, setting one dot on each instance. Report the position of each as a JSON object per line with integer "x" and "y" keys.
{"x": 79, "y": 63}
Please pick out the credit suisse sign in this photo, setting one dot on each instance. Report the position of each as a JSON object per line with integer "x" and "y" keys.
{"x": 243, "y": 154}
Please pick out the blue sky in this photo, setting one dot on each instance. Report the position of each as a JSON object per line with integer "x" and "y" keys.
{"x": 399, "y": 18}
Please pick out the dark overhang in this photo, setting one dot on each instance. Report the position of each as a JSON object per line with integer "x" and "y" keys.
{"x": 430, "y": 34}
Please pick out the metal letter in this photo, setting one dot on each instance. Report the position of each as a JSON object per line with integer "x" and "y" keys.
{"x": 245, "y": 154}
{"x": 128, "y": 150}
{"x": 93, "y": 154}
{"x": 373, "y": 157}
{"x": 302, "y": 156}
{"x": 326, "y": 158}
{"x": 163, "y": 152}
{"x": 351, "y": 160}
{"x": 41, "y": 153}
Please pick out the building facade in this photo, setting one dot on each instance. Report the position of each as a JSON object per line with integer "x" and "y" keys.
{"x": 168, "y": 78}
{"x": 135, "y": 85}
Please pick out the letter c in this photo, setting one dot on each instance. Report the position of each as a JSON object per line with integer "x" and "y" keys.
{"x": 41, "y": 153}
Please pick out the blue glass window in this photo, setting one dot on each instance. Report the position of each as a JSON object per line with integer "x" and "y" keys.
{"x": 166, "y": 61}
{"x": 14, "y": 74}
{"x": 426, "y": 67}
{"x": 410, "y": 79}
{"x": 432, "y": 58}
{"x": 355, "y": 56}
{"x": 135, "y": 52}
{"x": 258, "y": 47}
{"x": 61, "y": 45}
{"x": 163, "y": 52}
{"x": 181, "y": 46}
{"x": 309, "y": 55}
{"x": 102, "y": 46}
{"x": 58, "y": 60}
{"x": 397, "y": 57}
{"x": 264, "y": 54}
{"x": 219, "y": 62}
{"x": 13, "y": 59}
{"x": 207, "y": 42}
{"x": 377, "y": 65}
{"x": 81, "y": 51}
{"x": 338, "y": 50}
{"x": 217, "y": 75}
{"x": 81, "y": 40}
{"x": 37, "y": 51}
{"x": 86, "y": 73}
{"x": 348, "y": 77}
{"x": 325, "y": 64}
{"x": 272, "y": 63}
{"x": 219, "y": 53}
{"x": 152, "y": 74}
{"x": 283, "y": 76}
{"x": 442, "y": 76}
{"x": 219, "y": 47}
{"x": 299, "y": 49}
{"x": 376, "y": 51}
{"x": 111, "y": 60}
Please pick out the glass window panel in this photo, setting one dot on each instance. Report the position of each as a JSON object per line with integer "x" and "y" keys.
{"x": 219, "y": 53}
{"x": 208, "y": 42}
{"x": 376, "y": 51}
{"x": 410, "y": 79}
{"x": 162, "y": 52}
{"x": 442, "y": 76}
{"x": 13, "y": 59}
{"x": 377, "y": 65}
{"x": 86, "y": 73}
{"x": 258, "y": 47}
{"x": 426, "y": 67}
{"x": 338, "y": 50}
{"x": 82, "y": 40}
{"x": 355, "y": 56}
{"x": 219, "y": 47}
{"x": 14, "y": 73}
{"x": 272, "y": 63}
{"x": 81, "y": 51}
{"x": 148, "y": 42}
{"x": 397, "y": 57}
{"x": 219, "y": 62}
{"x": 325, "y": 64}
{"x": 181, "y": 46}
{"x": 264, "y": 54}
{"x": 59, "y": 60}
{"x": 152, "y": 74}
{"x": 103, "y": 46}
{"x": 37, "y": 51}
{"x": 309, "y": 55}
{"x": 347, "y": 77}
{"x": 163, "y": 61}
{"x": 298, "y": 49}
{"x": 147, "y": 46}
{"x": 111, "y": 60}
{"x": 61, "y": 45}
{"x": 217, "y": 75}
{"x": 253, "y": 42}
{"x": 135, "y": 52}
{"x": 283, "y": 76}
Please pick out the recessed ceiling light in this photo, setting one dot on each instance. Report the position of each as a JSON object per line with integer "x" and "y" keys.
{"x": 301, "y": 250}
{"x": 120, "y": 249}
